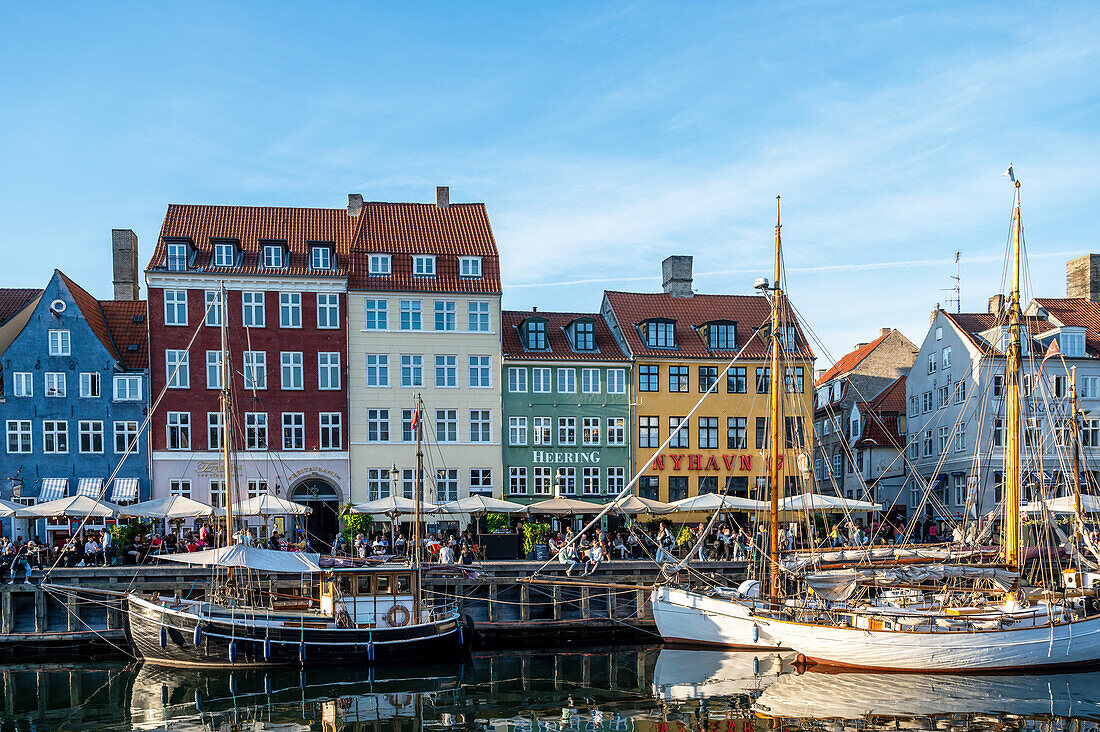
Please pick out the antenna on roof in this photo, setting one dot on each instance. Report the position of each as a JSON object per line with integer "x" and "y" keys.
{"x": 956, "y": 288}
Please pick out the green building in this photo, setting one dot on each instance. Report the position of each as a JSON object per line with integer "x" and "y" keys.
{"x": 566, "y": 407}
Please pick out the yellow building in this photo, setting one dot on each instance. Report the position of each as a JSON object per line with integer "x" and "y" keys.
{"x": 680, "y": 344}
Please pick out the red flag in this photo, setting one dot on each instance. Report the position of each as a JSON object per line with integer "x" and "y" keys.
{"x": 416, "y": 416}
{"x": 1053, "y": 350}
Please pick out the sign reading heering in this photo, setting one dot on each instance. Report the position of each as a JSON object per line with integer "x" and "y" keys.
{"x": 546, "y": 456}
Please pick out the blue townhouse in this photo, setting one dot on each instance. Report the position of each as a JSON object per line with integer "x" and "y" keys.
{"x": 75, "y": 389}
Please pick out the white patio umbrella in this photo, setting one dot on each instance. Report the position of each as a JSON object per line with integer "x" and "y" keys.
{"x": 393, "y": 506}
{"x": 636, "y": 505}
{"x": 266, "y": 504}
{"x": 71, "y": 507}
{"x": 1089, "y": 504}
{"x": 8, "y": 509}
{"x": 480, "y": 505}
{"x": 168, "y": 507}
{"x": 716, "y": 502}
{"x": 563, "y": 507}
{"x": 826, "y": 504}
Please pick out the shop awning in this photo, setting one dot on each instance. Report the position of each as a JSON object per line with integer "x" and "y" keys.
{"x": 124, "y": 490}
{"x": 90, "y": 487}
{"x": 52, "y": 489}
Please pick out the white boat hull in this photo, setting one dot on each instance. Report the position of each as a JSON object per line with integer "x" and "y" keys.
{"x": 694, "y": 619}
{"x": 1064, "y": 645}
{"x": 683, "y": 675}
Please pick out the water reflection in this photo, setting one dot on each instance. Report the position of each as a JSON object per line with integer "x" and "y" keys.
{"x": 627, "y": 690}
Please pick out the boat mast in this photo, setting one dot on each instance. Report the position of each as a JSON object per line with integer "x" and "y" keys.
{"x": 224, "y": 400}
{"x": 419, "y": 481}
{"x": 1012, "y": 404}
{"x": 773, "y": 442}
{"x": 1076, "y": 452}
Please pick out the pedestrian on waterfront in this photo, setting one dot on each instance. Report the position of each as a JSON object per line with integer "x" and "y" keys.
{"x": 933, "y": 532}
{"x": 360, "y": 545}
{"x": 21, "y": 561}
{"x": 465, "y": 556}
{"x": 665, "y": 542}
{"x": 446, "y": 553}
{"x": 595, "y": 556}
{"x": 400, "y": 544}
{"x": 93, "y": 553}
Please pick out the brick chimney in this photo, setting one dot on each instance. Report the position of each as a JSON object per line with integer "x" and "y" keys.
{"x": 677, "y": 275}
{"x": 355, "y": 203}
{"x": 442, "y": 197}
{"x": 884, "y": 331}
{"x": 124, "y": 261}
{"x": 1083, "y": 277}
{"x": 997, "y": 305}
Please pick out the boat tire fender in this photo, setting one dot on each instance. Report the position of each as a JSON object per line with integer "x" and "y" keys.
{"x": 233, "y": 651}
{"x": 196, "y": 637}
{"x": 267, "y": 649}
{"x": 755, "y": 633}
{"x": 398, "y": 616}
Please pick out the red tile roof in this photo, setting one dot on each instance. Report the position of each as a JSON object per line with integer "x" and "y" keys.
{"x": 128, "y": 324}
{"x": 14, "y": 299}
{"x": 1076, "y": 312}
{"x": 93, "y": 314}
{"x": 973, "y": 323}
{"x": 850, "y": 360}
{"x": 880, "y": 417}
{"x": 607, "y": 349}
{"x": 748, "y": 311}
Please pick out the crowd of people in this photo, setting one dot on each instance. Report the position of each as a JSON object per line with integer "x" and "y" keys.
{"x": 462, "y": 548}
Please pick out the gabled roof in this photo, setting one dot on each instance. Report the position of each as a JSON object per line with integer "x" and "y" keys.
{"x": 114, "y": 324}
{"x": 749, "y": 312}
{"x": 607, "y": 349}
{"x": 850, "y": 360}
{"x": 93, "y": 314}
{"x": 880, "y": 417}
{"x": 1076, "y": 312}
{"x": 14, "y": 299}
{"x": 971, "y": 324}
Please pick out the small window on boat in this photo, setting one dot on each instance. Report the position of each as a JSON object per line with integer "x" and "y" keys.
{"x": 403, "y": 584}
{"x": 343, "y": 584}
{"x": 382, "y": 584}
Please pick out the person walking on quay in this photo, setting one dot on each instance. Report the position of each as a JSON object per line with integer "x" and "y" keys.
{"x": 665, "y": 542}
{"x": 447, "y": 553}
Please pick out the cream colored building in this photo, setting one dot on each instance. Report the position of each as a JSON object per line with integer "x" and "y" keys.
{"x": 424, "y": 319}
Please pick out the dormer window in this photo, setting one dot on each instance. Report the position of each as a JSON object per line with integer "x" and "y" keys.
{"x": 320, "y": 256}
{"x": 469, "y": 266}
{"x": 721, "y": 336}
{"x": 1071, "y": 341}
{"x": 225, "y": 254}
{"x": 423, "y": 265}
{"x": 534, "y": 334}
{"x": 177, "y": 256}
{"x": 659, "y": 333}
{"x": 380, "y": 265}
{"x": 273, "y": 256}
{"x": 584, "y": 335}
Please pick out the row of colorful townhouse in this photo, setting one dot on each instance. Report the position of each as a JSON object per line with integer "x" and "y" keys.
{"x": 337, "y": 320}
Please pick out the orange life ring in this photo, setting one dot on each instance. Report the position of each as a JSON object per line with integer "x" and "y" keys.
{"x": 398, "y": 611}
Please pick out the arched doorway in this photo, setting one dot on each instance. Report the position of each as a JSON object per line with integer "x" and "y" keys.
{"x": 323, "y": 523}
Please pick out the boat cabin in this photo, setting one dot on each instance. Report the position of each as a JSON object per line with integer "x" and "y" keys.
{"x": 375, "y": 598}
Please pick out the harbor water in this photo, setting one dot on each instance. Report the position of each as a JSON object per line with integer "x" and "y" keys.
{"x": 637, "y": 689}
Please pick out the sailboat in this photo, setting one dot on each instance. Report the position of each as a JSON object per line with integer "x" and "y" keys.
{"x": 361, "y": 615}
{"x": 990, "y": 624}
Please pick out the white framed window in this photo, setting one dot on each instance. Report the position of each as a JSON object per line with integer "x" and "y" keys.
{"x": 290, "y": 310}
{"x": 127, "y": 388}
{"x": 273, "y": 256}
{"x": 480, "y": 377}
{"x": 89, "y": 384}
{"x": 179, "y": 430}
{"x": 213, "y": 369}
{"x": 567, "y": 381}
{"x": 56, "y": 384}
{"x": 55, "y": 436}
{"x": 939, "y": 334}
{"x": 412, "y": 370}
{"x": 567, "y": 430}
{"x": 126, "y": 435}
{"x": 567, "y": 481}
{"x": 177, "y": 256}
{"x": 410, "y": 315}
{"x": 214, "y": 431}
{"x": 590, "y": 430}
{"x": 320, "y": 257}
{"x": 328, "y": 311}
{"x": 380, "y": 265}
{"x": 378, "y": 425}
{"x": 477, "y": 316}
{"x": 328, "y": 370}
{"x": 469, "y": 266}
{"x": 255, "y": 430}
{"x": 445, "y": 315}
{"x": 294, "y": 431}
{"x": 590, "y": 480}
{"x": 541, "y": 430}
{"x": 616, "y": 430}
{"x": 616, "y": 480}
{"x": 543, "y": 480}
{"x": 446, "y": 484}
{"x": 177, "y": 369}
{"x": 616, "y": 381}
{"x": 590, "y": 381}
{"x": 375, "y": 314}
{"x": 408, "y": 432}
{"x": 255, "y": 369}
{"x": 946, "y": 357}
{"x": 517, "y": 380}
{"x": 933, "y": 362}
{"x": 446, "y": 425}
{"x": 59, "y": 343}
{"x": 517, "y": 430}
{"x": 540, "y": 380}
{"x": 225, "y": 254}
{"x": 90, "y": 432}
{"x": 212, "y": 308}
{"x": 480, "y": 425}
{"x": 256, "y": 487}
{"x": 960, "y": 392}
{"x": 217, "y": 493}
{"x": 378, "y": 483}
{"x": 378, "y": 370}
{"x": 446, "y": 371}
{"x": 331, "y": 425}
{"x": 252, "y": 305}
{"x": 291, "y": 370}
{"x": 423, "y": 265}
{"x": 175, "y": 307}
{"x": 517, "y": 479}
{"x": 19, "y": 435}
{"x": 481, "y": 481}
{"x": 22, "y": 384}
{"x": 944, "y": 432}
{"x": 960, "y": 439}
{"x": 179, "y": 487}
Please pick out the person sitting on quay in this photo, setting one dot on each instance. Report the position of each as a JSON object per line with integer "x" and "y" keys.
{"x": 595, "y": 557}
{"x": 400, "y": 544}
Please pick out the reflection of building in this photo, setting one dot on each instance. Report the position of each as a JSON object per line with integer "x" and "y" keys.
{"x": 424, "y": 318}
{"x": 74, "y": 379}
{"x": 285, "y": 271}
{"x": 680, "y": 343}
{"x": 566, "y": 406}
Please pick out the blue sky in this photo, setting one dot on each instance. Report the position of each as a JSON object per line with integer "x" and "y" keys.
{"x": 602, "y": 137}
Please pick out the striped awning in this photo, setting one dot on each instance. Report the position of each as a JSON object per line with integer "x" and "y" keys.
{"x": 52, "y": 489}
{"x": 90, "y": 487}
{"x": 124, "y": 490}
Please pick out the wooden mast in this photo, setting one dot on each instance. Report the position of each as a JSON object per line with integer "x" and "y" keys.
{"x": 1011, "y": 530}
{"x": 419, "y": 481}
{"x": 1076, "y": 407}
{"x": 224, "y": 400}
{"x": 775, "y": 430}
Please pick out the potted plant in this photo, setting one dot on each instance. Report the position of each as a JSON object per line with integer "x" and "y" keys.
{"x": 535, "y": 535}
